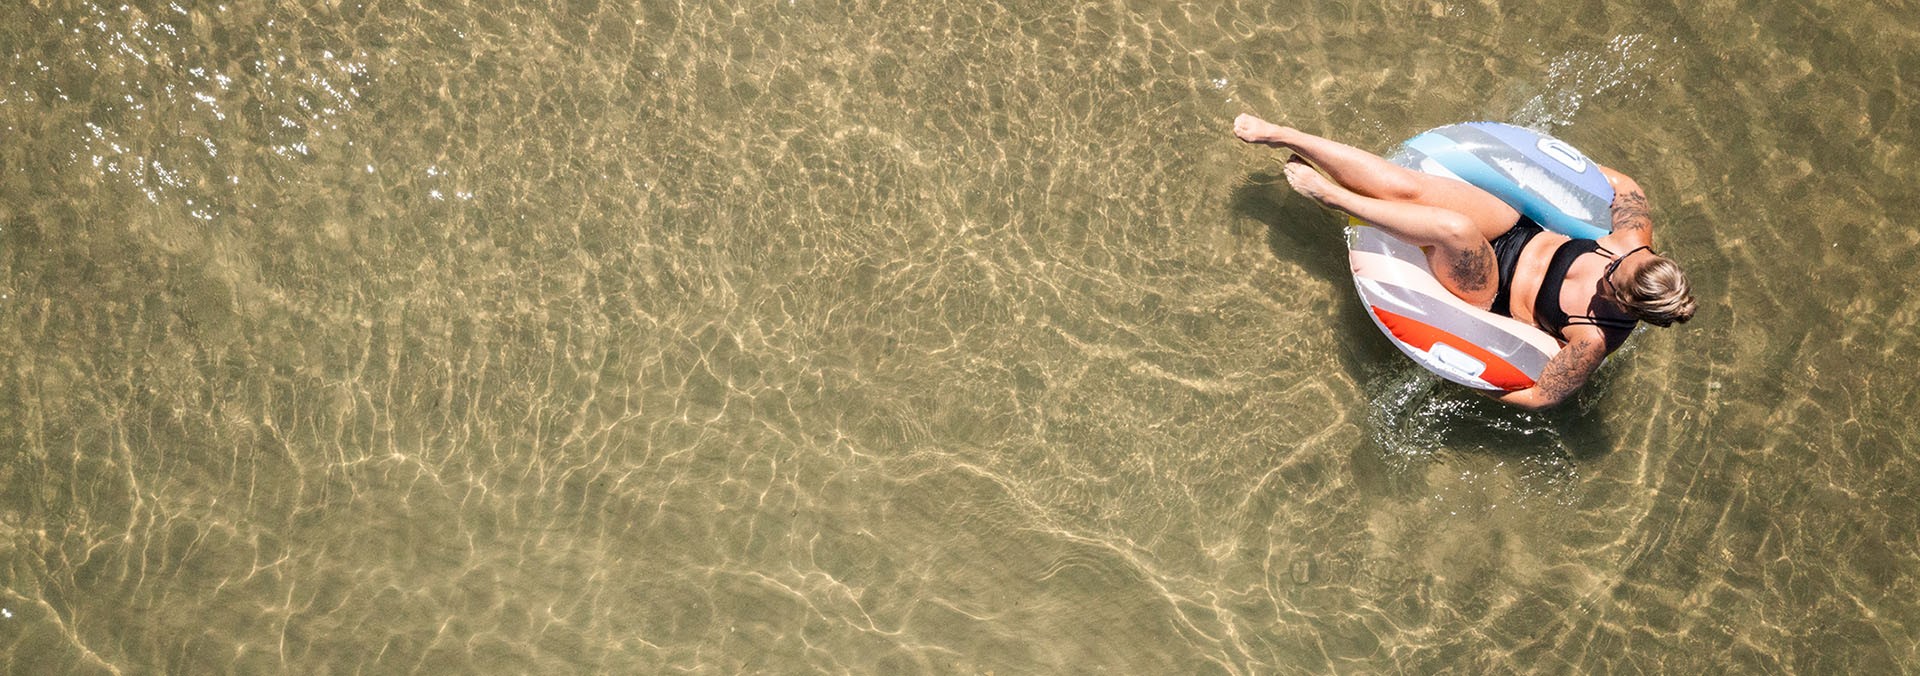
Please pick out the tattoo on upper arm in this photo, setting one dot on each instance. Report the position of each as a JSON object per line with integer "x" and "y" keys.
{"x": 1630, "y": 211}
{"x": 1567, "y": 371}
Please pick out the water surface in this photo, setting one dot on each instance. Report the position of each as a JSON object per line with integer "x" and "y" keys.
{"x": 916, "y": 337}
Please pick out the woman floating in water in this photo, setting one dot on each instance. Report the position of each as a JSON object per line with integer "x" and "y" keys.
{"x": 1484, "y": 252}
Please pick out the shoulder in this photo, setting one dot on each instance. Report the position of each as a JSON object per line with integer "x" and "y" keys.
{"x": 1587, "y": 343}
{"x": 1597, "y": 341}
{"x": 1632, "y": 216}
{"x": 1621, "y": 182}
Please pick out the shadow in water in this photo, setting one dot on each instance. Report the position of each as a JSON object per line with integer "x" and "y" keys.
{"x": 1302, "y": 233}
{"x": 1414, "y": 415}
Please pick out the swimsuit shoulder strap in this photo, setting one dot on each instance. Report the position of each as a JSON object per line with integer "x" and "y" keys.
{"x": 1621, "y": 328}
{"x": 1621, "y": 325}
{"x": 1603, "y": 322}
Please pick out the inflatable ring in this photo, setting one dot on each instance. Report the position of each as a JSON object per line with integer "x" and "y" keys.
{"x": 1540, "y": 176}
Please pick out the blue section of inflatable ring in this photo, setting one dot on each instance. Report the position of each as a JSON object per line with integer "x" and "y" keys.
{"x": 1578, "y": 176}
{"x": 1532, "y": 144}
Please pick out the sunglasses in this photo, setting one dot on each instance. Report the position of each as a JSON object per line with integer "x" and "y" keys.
{"x": 1607, "y": 277}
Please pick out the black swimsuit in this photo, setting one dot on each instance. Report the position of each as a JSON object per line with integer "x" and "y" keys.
{"x": 1546, "y": 306}
{"x": 1506, "y": 251}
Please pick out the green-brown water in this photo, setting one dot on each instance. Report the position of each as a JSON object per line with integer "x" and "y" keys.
{"x": 918, "y": 337}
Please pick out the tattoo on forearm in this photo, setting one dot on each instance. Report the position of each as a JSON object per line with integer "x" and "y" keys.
{"x": 1630, "y": 211}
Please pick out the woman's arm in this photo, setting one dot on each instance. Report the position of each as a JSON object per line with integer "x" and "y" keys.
{"x": 1631, "y": 215}
{"x": 1565, "y": 372}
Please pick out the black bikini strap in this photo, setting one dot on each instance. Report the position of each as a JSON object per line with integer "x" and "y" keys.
{"x": 1603, "y": 322}
{"x": 1630, "y": 252}
{"x": 1606, "y": 276}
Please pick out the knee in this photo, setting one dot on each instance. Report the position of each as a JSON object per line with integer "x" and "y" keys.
{"x": 1400, "y": 187}
{"x": 1457, "y": 231}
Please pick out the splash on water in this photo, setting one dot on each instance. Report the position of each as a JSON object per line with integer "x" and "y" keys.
{"x": 1624, "y": 68}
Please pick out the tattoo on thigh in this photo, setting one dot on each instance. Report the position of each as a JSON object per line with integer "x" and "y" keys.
{"x": 1472, "y": 271}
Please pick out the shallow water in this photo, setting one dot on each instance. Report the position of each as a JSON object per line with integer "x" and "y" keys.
{"x": 906, "y": 337}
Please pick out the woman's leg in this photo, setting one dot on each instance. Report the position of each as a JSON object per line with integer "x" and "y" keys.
{"x": 1461, "y": 258}
{"x": 1369, "y": 175}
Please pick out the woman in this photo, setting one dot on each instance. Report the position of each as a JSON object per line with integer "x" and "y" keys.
{"x": 1588, "y": 294}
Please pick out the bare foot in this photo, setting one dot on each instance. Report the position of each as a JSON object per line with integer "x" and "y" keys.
{"x": 1307, "y": 181}
{"x": 1255, "y": 130}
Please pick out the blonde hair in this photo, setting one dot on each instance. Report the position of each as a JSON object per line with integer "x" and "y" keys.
{"x": 1659, "y": 293}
